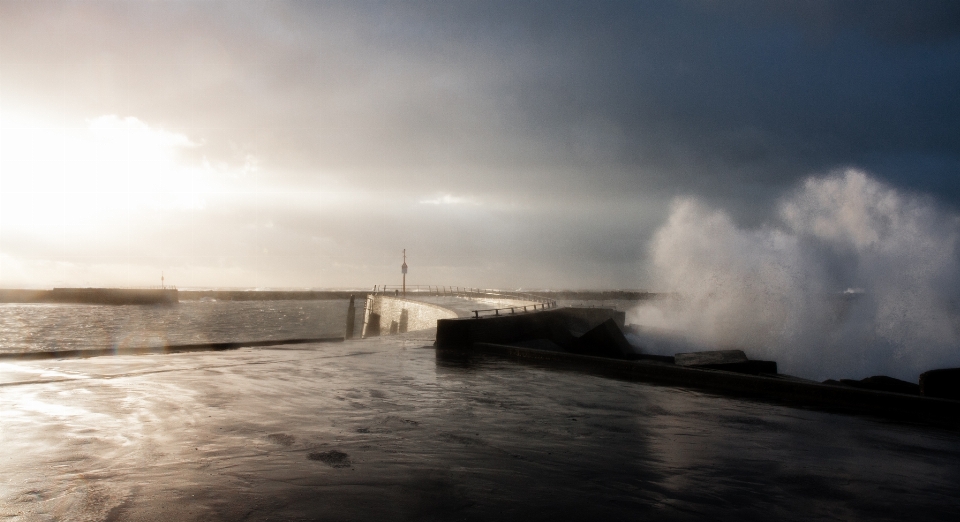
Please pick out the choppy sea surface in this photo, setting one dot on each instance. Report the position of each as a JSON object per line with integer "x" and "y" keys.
{"x": 42, "y": 327}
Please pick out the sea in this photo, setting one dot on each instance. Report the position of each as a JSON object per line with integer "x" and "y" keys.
{"x": 36, "y": 327}
{"x": 389, "y": 428}
{"x": 49, "y": 327}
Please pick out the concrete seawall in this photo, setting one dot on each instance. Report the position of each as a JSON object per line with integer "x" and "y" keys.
{"x": 463, "y": 332}
{"x": 390, "y": 315}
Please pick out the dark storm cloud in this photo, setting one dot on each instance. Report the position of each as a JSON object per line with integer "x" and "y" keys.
{"x": 710, "y": 98}
{"x": 675, "y": 96}
{"x": 580, "y": 114}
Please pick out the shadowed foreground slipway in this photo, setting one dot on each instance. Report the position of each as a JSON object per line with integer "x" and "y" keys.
{"x": 387, "y": 429}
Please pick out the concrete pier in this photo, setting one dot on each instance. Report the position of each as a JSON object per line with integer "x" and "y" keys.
{"x": 393, "y": 315}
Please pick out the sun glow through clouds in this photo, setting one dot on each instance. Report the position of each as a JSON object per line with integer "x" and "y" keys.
{"x": 56, "y": 179}
{"x": 448, "y": 199}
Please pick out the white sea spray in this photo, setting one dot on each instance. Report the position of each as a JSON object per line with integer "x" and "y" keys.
{"x": 854, "y": 279}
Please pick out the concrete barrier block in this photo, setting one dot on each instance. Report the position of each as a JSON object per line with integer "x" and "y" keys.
{"x": 560, "y": 326}
{"x": 604, "y": 340}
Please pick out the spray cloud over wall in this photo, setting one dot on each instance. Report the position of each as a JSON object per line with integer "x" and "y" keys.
{"x": 856, "y": 279}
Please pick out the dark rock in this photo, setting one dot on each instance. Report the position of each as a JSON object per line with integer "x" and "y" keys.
{"x": 649, "y": 357}
{"x": 710, "y": 358}
{"x": 943, "y": 383}
{"x": 334, "y": 458}
{"x": 604, "y": 340}
{"x": 282, "y": 439}
{"x": 884, "y": 383}
{"x": 879, "y": 383}
{"x": 726, "y": 360}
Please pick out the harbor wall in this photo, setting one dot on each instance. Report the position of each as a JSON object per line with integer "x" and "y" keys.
{"x": 386, "y": 315}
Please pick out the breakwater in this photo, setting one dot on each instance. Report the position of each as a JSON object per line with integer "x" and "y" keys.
{"x": 106, "y": 296}
{"x": 592, "y": 339}
{"x": 63, "y": 295}
{"x": 777, "y": 389}
{"x": 387, "y": 314}
{"x": 267, "y": 295}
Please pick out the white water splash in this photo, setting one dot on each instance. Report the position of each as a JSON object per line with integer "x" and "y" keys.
{"x": 856, "y": 279}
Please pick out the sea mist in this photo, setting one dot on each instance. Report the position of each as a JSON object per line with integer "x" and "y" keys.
{"x": 854, "y": 279}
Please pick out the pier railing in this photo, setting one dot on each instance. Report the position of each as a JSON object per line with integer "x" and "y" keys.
{"x": 536, "y": 302}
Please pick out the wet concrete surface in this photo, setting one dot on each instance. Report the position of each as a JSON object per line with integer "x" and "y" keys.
{"x": 384, "y": 429}
{"x": 462, "y": 306}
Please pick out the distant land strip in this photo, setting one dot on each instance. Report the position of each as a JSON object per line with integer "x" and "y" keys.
{"x": 146, "y": 350}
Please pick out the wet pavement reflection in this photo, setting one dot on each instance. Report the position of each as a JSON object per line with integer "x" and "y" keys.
{"x": 388, "y": 428}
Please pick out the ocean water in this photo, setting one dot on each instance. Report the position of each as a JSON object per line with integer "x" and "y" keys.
{"x": 44, "y": 327}
{"x": 41, "y": 327}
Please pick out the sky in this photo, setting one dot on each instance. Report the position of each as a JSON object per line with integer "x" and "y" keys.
{"x": 502, "y": 144}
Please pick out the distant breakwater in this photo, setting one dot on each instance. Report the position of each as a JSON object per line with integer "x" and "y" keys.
{"x": 161, "y": 296}
{"x": 104, "y": 296}
{"x": 268, "y": 295}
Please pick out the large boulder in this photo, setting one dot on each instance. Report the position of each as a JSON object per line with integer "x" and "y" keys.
{"x": 944, "y": 383}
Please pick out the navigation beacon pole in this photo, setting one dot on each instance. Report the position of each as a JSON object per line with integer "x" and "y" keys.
{"x": 403, "y": 270}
